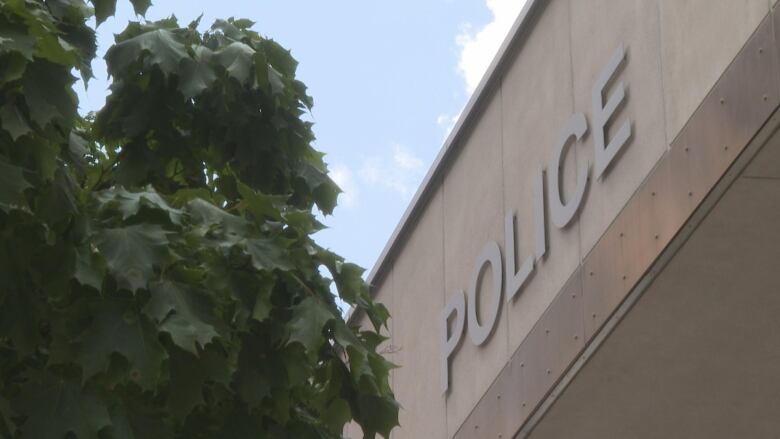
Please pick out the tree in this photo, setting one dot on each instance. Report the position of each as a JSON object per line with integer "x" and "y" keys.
{"x": 158, "y": 277}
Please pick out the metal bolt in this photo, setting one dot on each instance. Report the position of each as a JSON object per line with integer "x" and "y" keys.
{"x": 656, "y": 236}
{"x": 725, "y": 147}
{"x": 476, "y": 427}
{"x": 722, "y": 101}
{"x": 549, "y": 371}
{"x": 594, "y": 315}
{"x": 766, "y": 97}
{"x": 685, "y": 149}
{"x": 690, "y": 194}
{"x": 652, "y": 193}
{"x": 621, "y": 234}
{"x": 546, "y": 331}
{"x": 573, "y": 296}
{"x": 576, "y": 337}
{"x": 624, "y": 277}
{"x": 522, "y": 364}
{"x": 591, "y": 273}
{"x": 523, "y": 404}
{"x": 760, "y": 50}
{"x": 498, "y": 397}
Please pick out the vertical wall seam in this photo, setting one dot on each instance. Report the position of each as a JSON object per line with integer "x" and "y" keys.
{"x": 444, "y": 285}
{"x": 504, "y": 306}
{"x": 661, "y": 74}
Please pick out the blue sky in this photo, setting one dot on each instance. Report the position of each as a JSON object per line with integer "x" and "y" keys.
{"x": 388, "y": 79}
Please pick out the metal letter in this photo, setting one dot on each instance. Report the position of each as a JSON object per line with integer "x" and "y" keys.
{"x": 539, "y": 216}
{"x": 602, "y": 114}
{"x": 449, "y": 342}
{"x": 562, "y": 213}
{"x": 514, "y": 281}
{"x": 479, "y": 333}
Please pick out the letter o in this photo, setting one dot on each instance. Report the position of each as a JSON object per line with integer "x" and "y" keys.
{"x": 479, "y": 333}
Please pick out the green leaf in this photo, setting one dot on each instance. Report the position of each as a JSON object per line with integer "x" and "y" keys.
{"x": 90, "y": 268}
{"x": 260, "y": 205}
{"x": 130, "y": 203}
{"x": 104, "y": 9}
{"x": 57, "y": 407}
{"x": 208, "y": 215}
{"x": 262, "y": 308}
{"x": 12, "y": 185}
{"x": 182, "y": 313}
{"x": 140, "y": 6}
{"x": 379, "y": 414}
{"x": 118, "y": 328}
{"x": 268, "y": 254}
{"x": 195, "y": 76}
{"x": 185, "y": 389}
{"x": 132, "y": 252}
{"x": 47, "y": 91}
{"x": 13, "y": 122}
{"x": 159, "y": 46}
{"x": 237, "y": 59}
{"x": 14, "y": 41}
{"x": 309, "y": 319}
{"x": 337, "y": 415}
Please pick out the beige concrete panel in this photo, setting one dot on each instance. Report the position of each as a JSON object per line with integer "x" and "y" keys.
{"x": 598, "y": 29}
{"x": 654, "y": 215}
{"x": 696, "y": 357}
{"x": 418, "y": 279}
{"x": 537, "y": 103}
{"x": 602, "y": 281}
{"x": 699, "y": 39}
{"x": 473, "y": 215}
{"x": 734, "y": 110}
{"x": 494, "y": 416}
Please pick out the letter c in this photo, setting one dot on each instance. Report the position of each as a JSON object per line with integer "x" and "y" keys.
{"x": 562, "y": 213}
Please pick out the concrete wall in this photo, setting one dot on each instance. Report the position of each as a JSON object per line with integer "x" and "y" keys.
{"x": 676, "y": 50}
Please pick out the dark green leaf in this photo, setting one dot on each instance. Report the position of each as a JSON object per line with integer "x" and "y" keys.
{"x": 309, "y": 319}
{"x": 12, "y": 184}
{"x": 159, "y": 46}
{"x": 104, "y": 9}
{"x": 118, "y": 328}
{"x": 237, "y": 59}
{"x": 13, "y": 122}
{"x": 182, "y": 313}
{"x": 268, "y": 254}
{"x": 132, "y": 252}
{"x": 140, "y": 6}
{"x": 58, "y": 407}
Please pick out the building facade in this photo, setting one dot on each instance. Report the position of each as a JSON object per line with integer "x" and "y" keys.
{"x": 595, "y": 253}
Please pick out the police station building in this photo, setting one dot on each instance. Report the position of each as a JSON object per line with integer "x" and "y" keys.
{"x": 595, "y": 252}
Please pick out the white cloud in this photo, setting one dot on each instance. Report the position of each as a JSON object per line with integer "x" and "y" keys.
{"x": 448, "y": 122}
{"x": 400, "y": 172}
{"x": 342, "y": 175}
{"x": 479, "y": 47}
{"x": 405, "y": 159}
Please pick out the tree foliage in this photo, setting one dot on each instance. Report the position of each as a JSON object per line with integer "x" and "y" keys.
{"x": 157, "y": 272}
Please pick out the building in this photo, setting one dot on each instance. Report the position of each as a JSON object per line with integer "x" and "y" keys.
{"x": 596, "y": 251}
